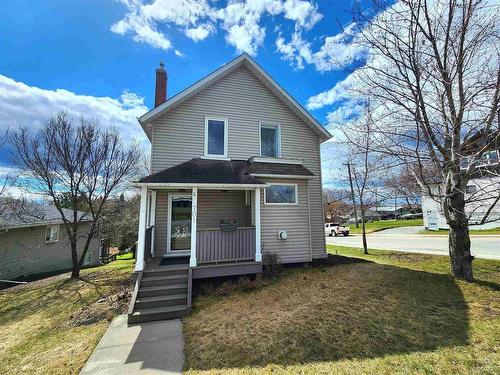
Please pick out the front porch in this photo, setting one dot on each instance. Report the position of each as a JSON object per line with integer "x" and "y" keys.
{"x": 211, "y": 227}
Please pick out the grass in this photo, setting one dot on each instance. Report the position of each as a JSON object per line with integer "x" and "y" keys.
{"x": 376, "y": 226}
{"x": 392, "y": 313}
{"x": 51, "y": 326}
{"x": 473, "y": 232}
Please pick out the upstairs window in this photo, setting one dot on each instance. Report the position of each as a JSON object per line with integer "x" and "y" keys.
{"x": 52, "y": 233}
{"x": 270, "y": 140}
{"x": 215, "y": 137}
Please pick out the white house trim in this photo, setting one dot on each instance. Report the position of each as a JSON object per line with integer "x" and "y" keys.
{"x": 288, "y": 176}
{"x": 152, "y": 216}
{"x": 194, "y": 222}
{"x": 258, "y": 252}
{"x": 296, "y": 187}
{"x": 265, "y": 78}
{"x": 226, "y": 128}
{"x": 139, "y": 263}
{"x": 166, "y": 185}
{"x": 259, "y": 159}
{"x": 270, "y": 124}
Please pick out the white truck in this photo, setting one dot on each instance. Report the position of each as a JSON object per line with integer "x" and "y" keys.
{"x": 335, "y": 229}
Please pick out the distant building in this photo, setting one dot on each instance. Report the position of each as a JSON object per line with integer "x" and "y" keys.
{"x": 480, "y": 193}
{"x": 37, "y": 243}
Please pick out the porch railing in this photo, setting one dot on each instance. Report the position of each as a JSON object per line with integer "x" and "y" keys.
{"x": 214, "y": 245}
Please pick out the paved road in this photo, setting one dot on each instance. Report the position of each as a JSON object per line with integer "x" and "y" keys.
{"x": 407, "y": 239}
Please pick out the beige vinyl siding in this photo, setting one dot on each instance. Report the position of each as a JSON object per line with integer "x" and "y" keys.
{"x": 293, "y": 219}
{"x": 24, "y": 252}
{"x": 244, "y": 101}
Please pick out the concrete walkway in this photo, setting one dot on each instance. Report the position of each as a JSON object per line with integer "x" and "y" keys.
{"x": 146, "y": 348}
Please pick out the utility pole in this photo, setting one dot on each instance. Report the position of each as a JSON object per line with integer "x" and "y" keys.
{"x": 352, "y": 194}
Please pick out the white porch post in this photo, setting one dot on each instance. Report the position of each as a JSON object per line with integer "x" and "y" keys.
{"x": 258, "y": 254}
{"x": 194, "y": 212}
{"x": 153, "y": 221}
{"x": 139, "y": 254}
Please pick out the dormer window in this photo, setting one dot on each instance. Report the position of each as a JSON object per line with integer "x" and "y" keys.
{"x": 215, "y": 137}
{"x": 270, "y": 139}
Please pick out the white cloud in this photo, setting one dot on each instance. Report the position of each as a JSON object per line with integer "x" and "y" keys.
{"x": 198, "y": 19}
{"x": 179, "y": 53}
{"x": 337, "y": 51}
{"x": 24, "y": 105}
{"x": 201, "y": 32}
{"x": 341, "y": 91}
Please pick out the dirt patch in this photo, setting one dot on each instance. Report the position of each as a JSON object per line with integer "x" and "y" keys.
{"x": 106, "y": 308}
{"x": 410, "y": 258}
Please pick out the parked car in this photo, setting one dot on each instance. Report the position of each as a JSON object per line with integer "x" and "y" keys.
{"x": 335, "y": 229}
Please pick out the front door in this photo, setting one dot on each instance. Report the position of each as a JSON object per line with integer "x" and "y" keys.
{"x": 179, "y": 224}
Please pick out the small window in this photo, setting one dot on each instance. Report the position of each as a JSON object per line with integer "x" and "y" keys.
{"x": 52, "y": 233}
{"x": 270, "y": 142}
{"x": 281, "y": 194}
{"x": 215, "y": 137}
{"x": 470, "y": 189}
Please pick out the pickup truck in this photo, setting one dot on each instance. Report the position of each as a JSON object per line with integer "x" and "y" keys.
{"x": 335, "y": 229}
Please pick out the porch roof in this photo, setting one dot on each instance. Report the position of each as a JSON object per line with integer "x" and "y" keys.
{"x": 205, "y": 171}
{"x": 279, "y": 169}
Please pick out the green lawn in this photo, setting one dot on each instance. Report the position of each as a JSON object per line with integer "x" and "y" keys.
{"x": 51, "y": 326}
{"x": 473, "y": 232}
{"x": 394, "y": 313}
{"x": 376, "y": 226}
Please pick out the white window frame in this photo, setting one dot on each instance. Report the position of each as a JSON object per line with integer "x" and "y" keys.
{"x": 270, "y": 124}
{"x": 295, "y": 186}
{"x": 226, "y": 127}
{"x": 58, "y": 233}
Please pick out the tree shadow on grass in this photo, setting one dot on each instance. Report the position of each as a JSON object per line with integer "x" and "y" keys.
{"x": 363, "y": 310}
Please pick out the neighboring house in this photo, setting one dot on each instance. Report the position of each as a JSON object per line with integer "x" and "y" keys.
{"x": 35, "y": 242}
{"x": 370, "y": 215}
{"x": 235, "y": 173}
{"x": 480, "y": 194}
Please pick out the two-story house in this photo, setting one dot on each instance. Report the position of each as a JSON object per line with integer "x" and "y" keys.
{"x": 235, "y": 173}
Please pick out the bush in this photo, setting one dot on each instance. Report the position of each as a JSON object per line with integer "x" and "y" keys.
{"x": 271, "y": 265}
{"x": 246, "y": 284}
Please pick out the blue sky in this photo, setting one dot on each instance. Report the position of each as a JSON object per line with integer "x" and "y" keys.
{"x": 98, "y": 57}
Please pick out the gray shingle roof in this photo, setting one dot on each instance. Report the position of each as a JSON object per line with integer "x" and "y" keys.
{"x": 29, "y": 214}
{"x": 206, "y": 171}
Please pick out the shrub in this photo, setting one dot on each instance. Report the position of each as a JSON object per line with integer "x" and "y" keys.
{"x": 246, "y": 284}
{"x": 271, "y": 265}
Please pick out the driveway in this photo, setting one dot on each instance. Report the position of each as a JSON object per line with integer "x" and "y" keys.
{"x": 407, "y": 239}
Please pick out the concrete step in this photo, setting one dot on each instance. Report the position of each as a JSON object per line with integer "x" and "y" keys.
{"x": 164, "y": 280}
{"x": 162, "y": 290}
{"x": 160, "y": 301}
{"x": 157, "y": 313}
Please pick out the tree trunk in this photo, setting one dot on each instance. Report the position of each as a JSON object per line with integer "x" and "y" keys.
{"x": 363, "y": 231}
{"x": 459, "y": 240}
{"x": 75, "y": 272}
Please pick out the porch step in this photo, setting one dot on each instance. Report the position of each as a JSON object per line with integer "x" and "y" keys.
{"x": 161, "y": 301}
{"x": 158, "y": 313}
{"x": 167, "y": 271}
{"x": 162, "y": 290}
{"x": 164, "y": 280}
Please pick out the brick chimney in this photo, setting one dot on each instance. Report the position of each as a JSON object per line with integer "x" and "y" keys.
{"x": 161, "y": 85}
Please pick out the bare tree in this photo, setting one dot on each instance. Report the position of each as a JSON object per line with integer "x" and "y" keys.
{"x": 76, "y": 165}
{"x": 367, "y": 167}
{"x": 336, "y": 203}
{"x": 433, "y": 79}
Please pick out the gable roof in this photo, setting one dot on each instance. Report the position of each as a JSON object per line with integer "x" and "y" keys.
{"x": 32, "y": 214}
{"x": 242, "y": 60}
